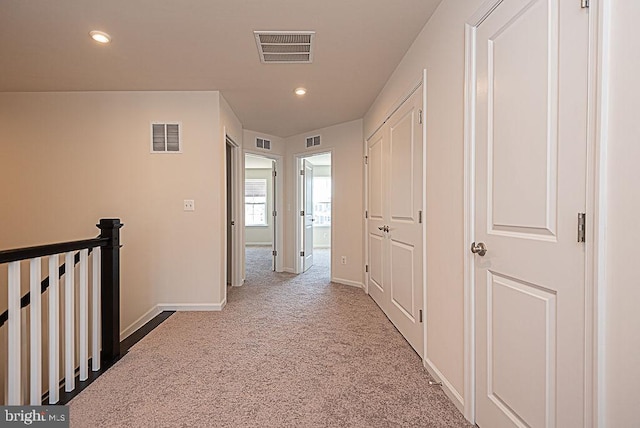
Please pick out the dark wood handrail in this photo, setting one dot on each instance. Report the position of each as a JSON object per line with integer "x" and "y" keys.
{"x": 26, "y": 253}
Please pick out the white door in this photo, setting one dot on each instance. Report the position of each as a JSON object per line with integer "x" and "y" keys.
{"x": 307, "y": 203}
{"x": 531, "y": 122}
{"x": 395, "y": 228}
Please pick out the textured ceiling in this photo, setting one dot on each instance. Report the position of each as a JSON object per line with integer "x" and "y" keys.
{"x": 209, "y": 45}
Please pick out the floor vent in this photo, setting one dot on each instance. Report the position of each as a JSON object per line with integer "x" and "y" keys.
{"x": 285, "y": 47}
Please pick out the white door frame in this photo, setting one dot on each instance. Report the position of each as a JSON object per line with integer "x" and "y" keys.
{"x": 278, "y": 204}
{"x": 297, "y": 233}
{"x": 236, "y": 177}
{"x": 596, "y": 198}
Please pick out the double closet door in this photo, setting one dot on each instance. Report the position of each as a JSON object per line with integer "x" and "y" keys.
{"x": 394, "y": 240}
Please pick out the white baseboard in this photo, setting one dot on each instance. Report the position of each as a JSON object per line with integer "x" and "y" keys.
{"x": 148, "y": 316}
{"x": 186, "y": 307}
{"x": 348, "y": 282}
{"x": 448, "y": 389}
{"x": 258, "y": 244}
{"x": 289, "y": 270}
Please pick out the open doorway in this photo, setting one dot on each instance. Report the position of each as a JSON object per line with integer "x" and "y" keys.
{"x": 260, "y": 214}
{"x": 315, "y": 204}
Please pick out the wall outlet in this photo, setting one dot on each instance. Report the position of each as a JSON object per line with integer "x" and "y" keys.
{"x": 189, "y": 205}
{"x": 343, "y": 260}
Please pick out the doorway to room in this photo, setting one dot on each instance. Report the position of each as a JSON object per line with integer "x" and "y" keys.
{"x": 314, "y": 235}
{"x": 260, "y": 214}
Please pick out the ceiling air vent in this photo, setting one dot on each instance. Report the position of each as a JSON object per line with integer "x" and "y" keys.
{"x": 285, "y": 47}
{"x": 313, "y": 141}
{"x": 261, "y": 143}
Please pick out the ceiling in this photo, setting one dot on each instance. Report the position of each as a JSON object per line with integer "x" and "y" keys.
{"x": 209, "y": 45}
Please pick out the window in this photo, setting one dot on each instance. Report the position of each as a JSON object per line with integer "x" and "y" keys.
{"x": 255, "y": 202}
{"x": 322, "y": 201}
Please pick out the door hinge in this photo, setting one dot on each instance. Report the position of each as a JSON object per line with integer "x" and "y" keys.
{"x": 275, "y": 213}
{"x": 366, "y": 160}
{"x": 582, "y": 227}
{"x": 420, "y": 116}
{"x": 302, "y": 213}
{"x": 302, "y": 172}
{"x": 366, "y": 214}
{"x": 420, "y": 315}
{"x": 275, "y": 173}
{"x": 233, "y": 223}
{"x": 274, "y": 252}
{"x": 366, "y": 268}
{"x": 301, "y": 253}
{"x": 584, "y": 4}
{"x": 420, "y": 216}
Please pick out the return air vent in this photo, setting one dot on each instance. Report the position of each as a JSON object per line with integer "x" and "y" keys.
{"x": 166, "y": 138}
{"x": 261, "y": 143}
{"x": 313, "y": 141}
{"x": 285, "y": 47}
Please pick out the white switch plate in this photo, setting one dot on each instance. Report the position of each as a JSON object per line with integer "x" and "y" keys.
{"x": 189, "y": 205}
{"x": 344, "y": 260}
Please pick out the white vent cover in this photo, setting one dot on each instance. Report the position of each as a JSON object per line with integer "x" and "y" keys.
{"x": 166, "y": 137}
{"x": 261, "y": 143}
{"x": 313, "y": 141}
{"x": 285, "y": 47}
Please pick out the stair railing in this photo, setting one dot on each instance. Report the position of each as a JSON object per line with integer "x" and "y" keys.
{"x": 104, "y": 308}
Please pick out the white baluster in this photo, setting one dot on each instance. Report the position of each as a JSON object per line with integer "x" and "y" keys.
{"x": 69, "y": 322}
{"x": 95, "y": 311}
{"x": 54, "y": 329}
{"x": 14, "y": 343}
{"x": 35, "y": 310}
{"x": 84, "y": 315}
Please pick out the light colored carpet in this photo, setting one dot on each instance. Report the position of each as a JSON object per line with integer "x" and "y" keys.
{"x": 287, "y": 351}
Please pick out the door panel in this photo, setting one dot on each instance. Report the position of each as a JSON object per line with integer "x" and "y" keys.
{"x": 395, "y": 235}
{"x": 530, "y": 146}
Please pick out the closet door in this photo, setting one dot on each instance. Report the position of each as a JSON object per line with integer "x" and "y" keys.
{"x": 395, "y": 230}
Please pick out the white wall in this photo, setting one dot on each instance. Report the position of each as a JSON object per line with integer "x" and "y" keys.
{"x": 69, "y": 159}
{"x": 440, "y": 49}
{"x": 622, "y": 343}
{"x": 345, "y": 142}
{"x": 261, "y": 235}
{"x": 277, "y": 144}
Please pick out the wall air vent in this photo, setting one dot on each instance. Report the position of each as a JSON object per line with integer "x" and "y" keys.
{"x": 166, "y": 137}
{"x": 261, "y": 143}
{"x": 285, "y": 47}
{"x": 313, "y": 141}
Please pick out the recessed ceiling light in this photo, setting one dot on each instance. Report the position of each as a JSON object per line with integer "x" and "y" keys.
{"x": 100, "y": 37}
{"x": 300, "y": 91}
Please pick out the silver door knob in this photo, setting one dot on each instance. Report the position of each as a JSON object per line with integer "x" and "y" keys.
{"x": 381, "y": 228}
{"x": 479, "y": 248}
{"x": 386, "y": 229}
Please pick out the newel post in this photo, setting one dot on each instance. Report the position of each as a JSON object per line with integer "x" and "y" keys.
{"x": 110, "y": 284}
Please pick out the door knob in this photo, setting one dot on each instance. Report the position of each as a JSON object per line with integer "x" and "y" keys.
{"x": 386, "y": 229}
{"x": 479, "y": 248}
{"x": 381, "y": 228}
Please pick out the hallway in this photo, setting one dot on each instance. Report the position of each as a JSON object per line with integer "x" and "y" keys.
{"x": 287, "y": 350}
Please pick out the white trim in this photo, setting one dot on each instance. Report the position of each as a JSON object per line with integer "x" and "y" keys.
{"x": 259, "y": 244}
{"x": 288, "y": 270}
{"x": 595, "y": 269}
{"x": 424, "y": 215}
{"x": 191, "y": 307}
{"x": 396, "y": 106}
{"x": 447, "y": 387}
{"x": 134, "y": 326}
{"x": 347, "y": 282}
